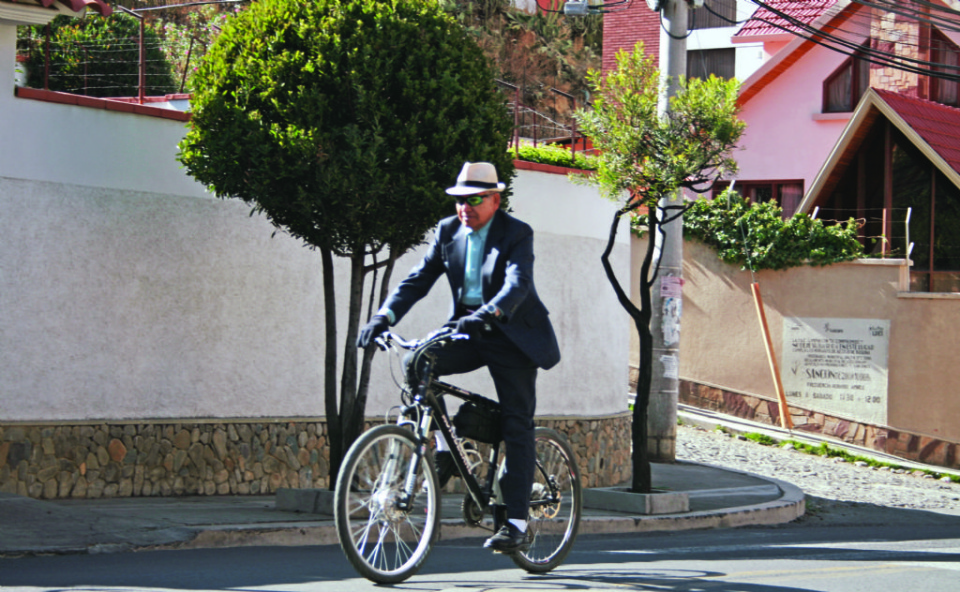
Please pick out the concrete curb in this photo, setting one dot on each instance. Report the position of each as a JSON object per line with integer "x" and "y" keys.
{"x": 790, "y": 506}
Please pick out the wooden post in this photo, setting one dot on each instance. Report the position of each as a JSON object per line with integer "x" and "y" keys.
{"x": 143, "y": 65}
{"x": 785, "y": 420}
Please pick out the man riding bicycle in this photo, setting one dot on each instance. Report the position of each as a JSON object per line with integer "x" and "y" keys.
{"x": 487, "y": 256}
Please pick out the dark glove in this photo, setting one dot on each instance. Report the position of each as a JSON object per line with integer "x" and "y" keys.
{"x": 473, "y": 324}
{"x": 377, "y": 325}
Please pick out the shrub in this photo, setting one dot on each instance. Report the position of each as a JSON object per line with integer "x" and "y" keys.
{"x": 556, "y": 155}
{"x": 755, "y": 235}
{"x": 97, "y": 56}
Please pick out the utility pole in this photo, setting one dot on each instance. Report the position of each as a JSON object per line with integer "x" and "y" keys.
{"x": 667, "y": 296}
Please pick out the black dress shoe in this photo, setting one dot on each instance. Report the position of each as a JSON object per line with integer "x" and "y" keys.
{"x": 446, "y": 467}
{"x": 508, "y": 539}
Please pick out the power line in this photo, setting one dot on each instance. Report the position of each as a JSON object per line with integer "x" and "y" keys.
{"x": 830, "y": 40}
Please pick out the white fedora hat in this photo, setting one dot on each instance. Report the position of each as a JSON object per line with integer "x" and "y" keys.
{"x": 476, "y": 177}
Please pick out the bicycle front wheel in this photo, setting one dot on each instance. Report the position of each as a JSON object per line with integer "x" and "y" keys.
{"x": 384, "y": 532}
{"x": 555, "y": 505}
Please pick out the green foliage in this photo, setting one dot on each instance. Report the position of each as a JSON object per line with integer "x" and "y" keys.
{"x": 824, "y": 449}
{"x": 343, "y": 121}
{"x": 186, "y": 39}
{"x": 555, "y": 155}
{"x": 644, "y": 156}
{"x": 536, "y": 52}
{"x": 97, "y": 56}
{"x": 755, "y": 235}
{"x": 762, "y": 439}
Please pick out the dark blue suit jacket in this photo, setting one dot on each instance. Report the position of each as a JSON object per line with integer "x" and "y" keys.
{"x": 507, "y": 274}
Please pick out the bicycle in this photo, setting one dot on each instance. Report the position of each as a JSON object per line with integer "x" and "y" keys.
{"x": 387, "y": 495}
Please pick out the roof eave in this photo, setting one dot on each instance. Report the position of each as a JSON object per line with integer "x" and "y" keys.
{"x": 27, "y": 14}
{"x": 871, "y": 100}
{"x": 788, "y": 55}
{"x": 867, "y": 103}
{"x": 44, "y": 11}
{"x": 783, "y": 36}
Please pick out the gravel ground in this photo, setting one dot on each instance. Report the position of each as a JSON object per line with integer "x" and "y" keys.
{"x": 837, "y": 492}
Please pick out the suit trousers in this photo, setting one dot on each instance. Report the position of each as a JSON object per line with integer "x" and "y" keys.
{"x": 515, "y": 379}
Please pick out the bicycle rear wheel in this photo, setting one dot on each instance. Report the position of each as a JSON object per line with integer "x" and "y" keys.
{"x": 386, "y": 541}
{"x": 555, "y": 505}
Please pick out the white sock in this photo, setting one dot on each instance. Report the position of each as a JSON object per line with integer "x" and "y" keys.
{"x": 520, "y": 524}
{"x": 441, "y": 444}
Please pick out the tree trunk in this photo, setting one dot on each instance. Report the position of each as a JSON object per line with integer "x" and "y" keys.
{"x": 642, "y": 479}
{"x": 330, "y": 366}
{"x": 367, "y": 364}
{"x": 351, "y": 414}
{"x": 641, "y": 482}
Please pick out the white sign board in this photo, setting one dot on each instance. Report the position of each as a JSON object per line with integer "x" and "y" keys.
{"x": 837, "y": 366}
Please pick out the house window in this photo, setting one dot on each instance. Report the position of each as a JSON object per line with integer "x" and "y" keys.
{"x": 844, "y": 87}
{"x": 722, "y": 63}
{"x": 714, "y": 14}
{"x": 946, "y": 56}
{"x": 786, "y": 193}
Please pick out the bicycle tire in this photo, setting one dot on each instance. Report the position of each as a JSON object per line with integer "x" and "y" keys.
{"x": 386, "y": 544}
{"x": 553, "y": 527}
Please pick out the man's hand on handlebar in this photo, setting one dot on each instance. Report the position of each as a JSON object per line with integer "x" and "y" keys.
{"x": 377, "y": 325}
{"x": 474, "y": 323}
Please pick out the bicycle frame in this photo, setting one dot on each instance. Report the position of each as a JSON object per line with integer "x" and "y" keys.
{"x": 388, "y": 504}
{"x": 426, "y": 400}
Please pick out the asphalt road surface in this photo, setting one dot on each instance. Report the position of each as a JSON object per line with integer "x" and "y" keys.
{"x": 913, "y": 551}
{"x": 865, "y": 530}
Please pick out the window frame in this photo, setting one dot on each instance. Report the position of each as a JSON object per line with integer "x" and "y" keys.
{"x": 729, "y": 61}
{"x": 940, "y": 43}
{"x": 702, "y": 18}
{"x": 857, "y": 66}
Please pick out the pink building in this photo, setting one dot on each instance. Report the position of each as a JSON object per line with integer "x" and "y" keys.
{"x": 816, "y": 139}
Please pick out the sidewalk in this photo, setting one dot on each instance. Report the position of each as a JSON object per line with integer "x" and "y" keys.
{"x": 717, "y": 498}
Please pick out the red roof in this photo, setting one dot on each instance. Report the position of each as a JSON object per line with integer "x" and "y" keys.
{"x": 937, "y": 124}
{"x": 98, "y": 6}
{"x": 767, "y": 21}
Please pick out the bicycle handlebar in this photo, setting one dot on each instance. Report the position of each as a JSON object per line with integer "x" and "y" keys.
{"x": 443, "y": 335}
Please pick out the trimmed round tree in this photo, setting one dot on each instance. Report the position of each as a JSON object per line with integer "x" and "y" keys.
{"x": 342, "y": 121}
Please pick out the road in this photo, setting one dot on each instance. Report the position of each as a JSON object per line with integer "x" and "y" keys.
{"x": 864, "y": 530}
{"x": 896, "y": 550}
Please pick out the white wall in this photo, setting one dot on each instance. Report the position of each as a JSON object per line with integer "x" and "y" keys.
{"x": 127, "y": 292}
{"x": 123, "y": 305}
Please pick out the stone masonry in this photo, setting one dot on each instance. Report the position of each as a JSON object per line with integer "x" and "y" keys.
{"x": 226, "y": 457}
{"x": 902, "y": 444}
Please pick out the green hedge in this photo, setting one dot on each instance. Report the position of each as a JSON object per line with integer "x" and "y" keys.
{"x": 755, "y": 235}
{"x": 555, "y": 155}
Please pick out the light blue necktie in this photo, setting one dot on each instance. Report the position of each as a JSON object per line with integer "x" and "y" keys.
{"x": 472, "y": 280}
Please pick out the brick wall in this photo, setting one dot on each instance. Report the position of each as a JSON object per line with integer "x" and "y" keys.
{"x": 622, "y": 30}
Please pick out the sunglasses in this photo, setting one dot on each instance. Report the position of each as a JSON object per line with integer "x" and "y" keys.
{"x": 471, "y": 200}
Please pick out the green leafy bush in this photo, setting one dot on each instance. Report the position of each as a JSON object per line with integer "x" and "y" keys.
{"x": 755, "y": 235}
{"x": 763, "y": 439}
{"x": 556, "y": 155}
{"x": 97, "y": 56}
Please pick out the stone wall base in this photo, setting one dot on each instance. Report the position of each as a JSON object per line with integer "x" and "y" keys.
{"x": 226, "y": 457}
{"x": 898, "y": 443}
